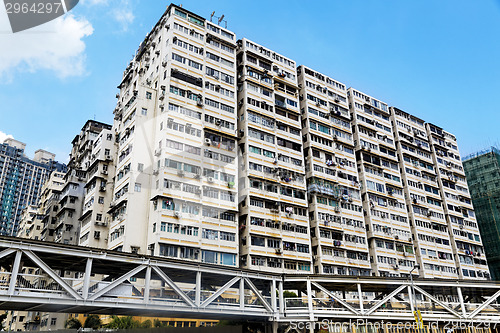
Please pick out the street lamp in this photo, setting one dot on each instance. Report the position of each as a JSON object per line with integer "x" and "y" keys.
{"x": 417, "y": 266}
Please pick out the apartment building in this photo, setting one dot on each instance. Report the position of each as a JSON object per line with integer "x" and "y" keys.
{"x": 70, "y": 204}
{"x": 338, "y": 235}
{"x": 21, "y": 180}
{"x": 423, "y": 197}
{"x": 226, "y": 152}
{"x": 483, "y": 177}
{"x": 94, "y": 220}
{"x": 38, "y": 222}
{"x": 274, "y": 224}
{"x": 176, "y": 171}
{"x": 470, "y": 257}
{"x": 30, "y": 224}
{"x": 385, "y": 215}
{"x": 49, "y": 204}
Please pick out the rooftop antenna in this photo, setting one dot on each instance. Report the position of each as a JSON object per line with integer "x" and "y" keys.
{"x": 220, "y": 20}
{"x": 212, "y": 15}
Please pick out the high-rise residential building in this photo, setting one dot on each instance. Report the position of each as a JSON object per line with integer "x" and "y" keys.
{"x": 423, "y": 196}
{"x": 464, "y": 235}
{"x": 274, "y": 223}
{"x": 21, "y": 180}
{"x": 100, "y": 172}
{"x": 226, "y": 152}
{"x": 385, "y": 213}
{"x": 339, "y": 243}
{"x": 30, "y": 224}
{"x": 38, "y": 222}
{"x": 72, "y": 195}
{"x": 483, "y": 177}
{"x": 49, "y": 204}
{"x": 175, "y": 192}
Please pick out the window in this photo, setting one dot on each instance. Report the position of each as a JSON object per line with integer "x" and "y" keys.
{"x": 144, "y": 111}
{"x": 137, "y": 187}
{"x": 148, "y": 95}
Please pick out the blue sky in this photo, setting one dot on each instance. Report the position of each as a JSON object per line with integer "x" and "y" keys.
{"x": 438, "y": 60}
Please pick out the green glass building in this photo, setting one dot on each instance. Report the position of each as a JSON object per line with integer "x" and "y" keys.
{"x": 483, "y": 176}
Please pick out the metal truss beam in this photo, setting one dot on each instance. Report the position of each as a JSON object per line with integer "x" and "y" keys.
{"x": 139, "y": 289}
{"x": 174, "y": 287}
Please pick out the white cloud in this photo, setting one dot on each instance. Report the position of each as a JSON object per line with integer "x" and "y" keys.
{"x": 4, "y": 136}
{"x": 56, "y": 46}
{"x": 123, "y": 14}
{"x": 119, "y": 10}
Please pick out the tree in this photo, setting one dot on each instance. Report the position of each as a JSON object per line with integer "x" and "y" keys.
{"x": 73, "y": 323}
{"x": 146, "y": 324}
{"x": 157, "y": 323}
{"x": 93, "y": 321}
{"x": 123, "y": 323}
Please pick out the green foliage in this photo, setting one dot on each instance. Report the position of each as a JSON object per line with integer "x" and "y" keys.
{"x": 122, "y": 323}
{"x": 73, "y": 324}
{"x": 289, "y": 294}
{"x": 157, "y": 323}
{"x": 92, "y": 321}
{"x": 146, "y": 324}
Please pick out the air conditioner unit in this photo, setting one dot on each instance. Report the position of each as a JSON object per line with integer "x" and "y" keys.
{"x": 164, "y": 63}
{"x": 102, "y": 188}
{"x": 158, "y": 152}
{"x": 396, "y": 237}
{"x": 210, "y": 179}
{"x": 208, "y": 142}
{"x": 197, "y": 176}
{"x": 156, "y": 172}
{"x": 177, "y": 214}
{"x": 278, "y": 251}
{"x": 395, "y": 266}
{"x": 108, "y": 158}
{"x": 406, "y": 254}
{"x": 180, "y": 173}
{"x": 199, "y": 102}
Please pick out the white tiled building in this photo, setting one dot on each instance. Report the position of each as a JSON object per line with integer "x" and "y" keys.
{"x": 226, "y": 152}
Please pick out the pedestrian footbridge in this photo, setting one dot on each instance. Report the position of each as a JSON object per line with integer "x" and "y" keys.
{"x": 48, "y": 277}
